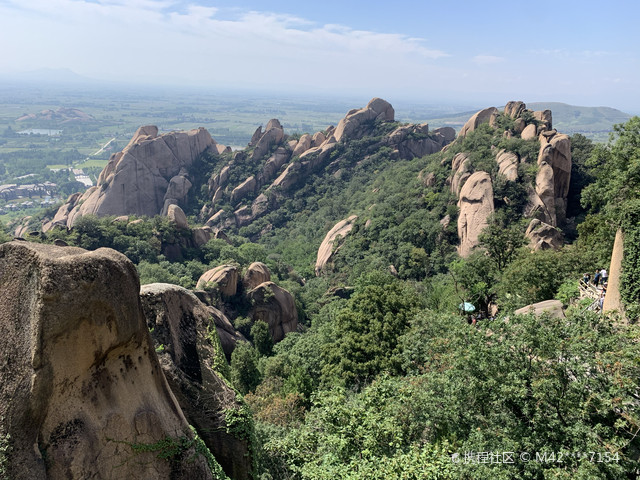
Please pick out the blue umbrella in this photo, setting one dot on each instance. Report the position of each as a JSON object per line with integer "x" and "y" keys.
{"x": 466, "y": 307}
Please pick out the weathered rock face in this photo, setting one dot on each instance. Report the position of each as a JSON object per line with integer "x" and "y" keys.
{"x": 546, "y": 118}
{"x": 245, "y": 188}
{"x": 273, "y": 164}
{"x": 483, "y": 116}
{"x": 215, "y": 218}
{"x": 461, "y": 173}
{"x": 80, "y": 380}
{"x": 178, "y": 189}
{"x": 177, "y": 216}
{"x": 554, "y": 176}
{"x": 201, "y": 235}
{"x": 514, "y": 109}
{"x": 139, "y": 179}
{"x": 303, "y": 145}
{"x": 508, "y": 164}
{"x": 62, "y": 215}
{"x": 225, "y": 277}
{"x": 351, "y": 125}
{"x": 412, "y": 141}
{"x": 256, "y": 274}
{"x": 475, "y": 204}
{"x": 276, "y": 307}
{"x": 543, "y": 236}
{"x": 331, "y": 242}
{"x": 182, "y": 325}
{"x": 273, "y": 134}
{"x": 613, "y": 299}
{"x": 530, "y": 132}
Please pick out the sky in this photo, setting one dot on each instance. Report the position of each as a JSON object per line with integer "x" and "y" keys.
{"x": 470, "y": 52}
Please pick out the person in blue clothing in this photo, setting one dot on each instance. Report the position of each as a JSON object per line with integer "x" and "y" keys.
{"x": 596, "y": 277}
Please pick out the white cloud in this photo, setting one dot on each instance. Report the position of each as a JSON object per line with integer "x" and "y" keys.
{"x": 157, "y": 39}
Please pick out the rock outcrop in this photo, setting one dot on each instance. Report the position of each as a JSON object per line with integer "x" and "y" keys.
{"x": 355, "y": 123}
{"x": 223, "y": 278}
{"x": 273, "y": 135}
{"x": 547, "y": 200}
{"x": 62, "y": 215}
{"x": 245, "y": 188}
{"x": 280, "y": 174}
{"x": 483, "y": 116}
{"x": 554, "y": 176}
{"x": 255, "y": 274}
{"x": 460, "y": 166}
{"x": 412, "y": 141}
{"x": 177, "y": 217}
{"x": 475, "y": 205}
{"x": 276, "y": 307}
{"x": 543, "y": 236}
{"x": 184, "y": 330}
{"x": 332, "y": 242}
{"x": 613, "y": 299}
{"x": 138, "y": 180}
{"x": 80, "y": 381}
{"x": 508, "y": 164}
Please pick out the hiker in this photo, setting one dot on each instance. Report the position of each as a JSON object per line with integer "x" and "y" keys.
{"x": 604, "y": 276}
{"x": 601, "y": 300}
{"x": 596, "y": 278}
{"x": 586, "y": 278}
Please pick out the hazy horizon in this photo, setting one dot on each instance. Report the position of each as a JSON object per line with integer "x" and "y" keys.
{"x": 477, "y": 54}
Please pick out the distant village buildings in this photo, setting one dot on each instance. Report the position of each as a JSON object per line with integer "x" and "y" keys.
{"x": 13, "y": 191}
{"x": 82, "y": 177}
{"x": 9, "y": 192}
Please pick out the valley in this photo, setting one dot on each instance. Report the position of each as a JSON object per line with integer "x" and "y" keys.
{"x": 305, "y": 290}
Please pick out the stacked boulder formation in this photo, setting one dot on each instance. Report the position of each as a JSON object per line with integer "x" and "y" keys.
{"x": 547, "y": 198}
{"x": 264, "y": 300}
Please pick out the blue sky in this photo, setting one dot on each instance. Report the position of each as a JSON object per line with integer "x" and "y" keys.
{"x": 471, "y": 52}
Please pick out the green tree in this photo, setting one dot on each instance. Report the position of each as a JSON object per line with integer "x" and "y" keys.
{"x": 245, "y": 375}
{"x": 366, "y": 333}
{"x": 262, "y": 338}
{"x": 501, "y": 239}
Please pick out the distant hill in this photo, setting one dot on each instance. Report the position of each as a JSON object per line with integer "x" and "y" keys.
{"x": 590, "y": 121}
{"x": 60, "y": 116}
{"x": 593, "y": 122}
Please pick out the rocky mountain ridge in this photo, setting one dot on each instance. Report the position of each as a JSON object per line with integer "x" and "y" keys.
{"x": 152, "y": 172}
{"x": 154, "y": 175}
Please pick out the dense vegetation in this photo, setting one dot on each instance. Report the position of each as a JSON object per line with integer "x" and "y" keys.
{"x": 386, "y": 379}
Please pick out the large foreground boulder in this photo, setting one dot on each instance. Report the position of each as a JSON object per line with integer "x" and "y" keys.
{"x": 82, "y": 394}
{"x": 185, "y": 333}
